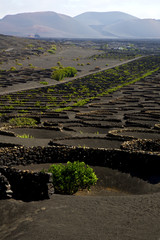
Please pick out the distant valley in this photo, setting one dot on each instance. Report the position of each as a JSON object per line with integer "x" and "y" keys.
{"x": 86, "y": 25}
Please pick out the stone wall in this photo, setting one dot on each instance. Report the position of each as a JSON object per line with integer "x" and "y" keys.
{"x": 3, "y": 187}
{"x": 123, "y": 160}
{"x": 24, "y": 185}
{"x": 34, "y": 186}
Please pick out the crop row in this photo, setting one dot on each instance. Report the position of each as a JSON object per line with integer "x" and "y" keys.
{"x": 80, "y": 91}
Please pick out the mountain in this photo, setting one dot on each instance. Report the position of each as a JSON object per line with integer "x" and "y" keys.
{"x": 138, "y": 28}
{"x": 45, "y": 24}
{"x": 103, "y": 18}
{"x": 85, "y": 25}
{"x": 120, "y": 25}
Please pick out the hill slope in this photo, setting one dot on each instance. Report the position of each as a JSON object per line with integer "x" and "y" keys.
{"x": 46, "y": 24}
{"x": 86, "y": 25}
{"x": 103, "y": 18}
{"x": 138, "y": 28}
{"x": 121, "y": 25}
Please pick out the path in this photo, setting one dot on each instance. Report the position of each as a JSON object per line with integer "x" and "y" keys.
{"x": 34, "y": 85}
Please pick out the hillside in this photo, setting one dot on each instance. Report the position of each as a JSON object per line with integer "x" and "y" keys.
{"x": 103, "y": 18}
{"x": 121, "y": 25}
{"x": 45, "y": 24}
{"x": 138, "y": 28}
{"x": 85, "y": 25}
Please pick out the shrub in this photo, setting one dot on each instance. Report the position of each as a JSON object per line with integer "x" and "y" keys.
{"x": 13, "y": 69}
{"x": 25, "y": 136}
{"x": 72, "y": 177}
{"x": 30, "y": 46}
{"x": 22, "y": 121}
{"x": 40, "y": 48}
{"x": 70, "y": 71}
{"x": 53, "y": 47}
{"x": 59, "y": 74}
{"x": 19, "y": 64}
{"x": 31, "y": 65}
{"x": 44, "y": 83}
{"x": 59, "y": 63}
{"x": 97, "y": 68}
{"x": 51, "y": 51}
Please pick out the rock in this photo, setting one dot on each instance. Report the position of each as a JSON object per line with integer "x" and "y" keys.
{"x": 5, "y": 191}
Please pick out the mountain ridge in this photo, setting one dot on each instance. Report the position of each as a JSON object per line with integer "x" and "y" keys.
{"x": 86, "y": 25}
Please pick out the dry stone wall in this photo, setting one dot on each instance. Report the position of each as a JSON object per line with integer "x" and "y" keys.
{"x": 121, "y": 159}
{"x": 25, "y": 185}
{"x": 34, "y": 186}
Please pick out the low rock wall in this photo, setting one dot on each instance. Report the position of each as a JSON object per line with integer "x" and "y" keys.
{"x": 24, "y": 185}
{"x": 115, "y": 158}
{"x": 34, "y": 186}
{"x": 3, "y": 187}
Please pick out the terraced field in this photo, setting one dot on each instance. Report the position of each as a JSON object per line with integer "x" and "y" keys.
{"x": 83, "y": 112}
{"x": 110, "y": 118}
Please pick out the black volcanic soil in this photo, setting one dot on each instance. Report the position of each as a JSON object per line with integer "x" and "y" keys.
{"x": 119, "y": 207}
{"x": 81, "y": 217}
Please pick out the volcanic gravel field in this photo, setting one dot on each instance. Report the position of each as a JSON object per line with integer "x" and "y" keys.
{"x": 120, "y": 206}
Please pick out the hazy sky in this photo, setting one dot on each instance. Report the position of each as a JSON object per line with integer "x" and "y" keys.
{"x": 138, "y": 8}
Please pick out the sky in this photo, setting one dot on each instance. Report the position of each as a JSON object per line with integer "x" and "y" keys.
{"x": 137, "y": 8}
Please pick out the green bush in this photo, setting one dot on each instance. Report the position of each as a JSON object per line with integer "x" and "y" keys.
{"x": 60, "y": 74}
{"x": 72, "y": 177}
{"x": 53, "y": 47}
{"x": 51, "y": 51}
{"x": 30, "y": 46}
{"x": 44, "y": 83}
{"x": 13, "y": 69}
{"x": 70, "y": 71}
{"x": 25, "y": 136}
{"x": 22, "y": 121}
{"x": 59, "y": 63}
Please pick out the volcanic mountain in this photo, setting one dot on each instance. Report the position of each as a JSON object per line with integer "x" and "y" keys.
{"x": 85, "y": 25}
